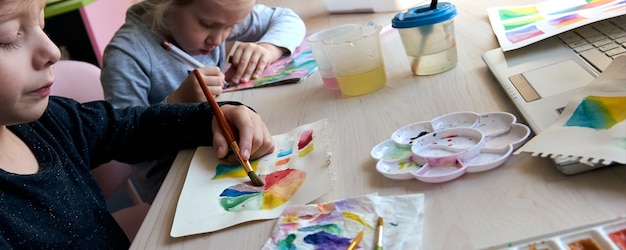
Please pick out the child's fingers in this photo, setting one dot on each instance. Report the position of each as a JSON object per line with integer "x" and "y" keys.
{"x": 222, "y": 147}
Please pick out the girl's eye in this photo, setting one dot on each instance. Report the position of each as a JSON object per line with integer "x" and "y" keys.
{"x": 208, "y": 25}
{"x": 10, "y": 43}
{"x": 9, "y": 46}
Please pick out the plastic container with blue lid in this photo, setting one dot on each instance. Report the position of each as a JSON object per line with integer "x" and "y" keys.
{"x": 428, "y": 37}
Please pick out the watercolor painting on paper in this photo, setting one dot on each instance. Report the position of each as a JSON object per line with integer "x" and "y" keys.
{"x": 592, "y": 126}
{"x": 217, "y": 195}
{"x": 333, "y": 225}
{"x": 292, "y": 69}
{"x": 518, "y": 26}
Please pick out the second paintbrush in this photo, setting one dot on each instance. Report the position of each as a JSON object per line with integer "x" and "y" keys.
{"x": 228, "y": 132}
{"x": 182, "y": 56}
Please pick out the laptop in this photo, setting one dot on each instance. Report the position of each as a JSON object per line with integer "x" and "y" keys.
{"x": 541, "y": 78}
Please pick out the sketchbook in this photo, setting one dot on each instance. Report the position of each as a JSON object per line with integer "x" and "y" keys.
{"x": 292, "y": 69}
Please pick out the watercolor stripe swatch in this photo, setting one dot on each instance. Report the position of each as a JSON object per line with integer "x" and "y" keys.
{"x": 518, "y": 26}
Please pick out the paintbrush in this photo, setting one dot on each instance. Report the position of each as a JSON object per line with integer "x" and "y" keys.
{"x": 355, "y": 242}
{"x": 228, "y": 132}
{"x": 180, "y": 55}
{"x": 379, "y": 235}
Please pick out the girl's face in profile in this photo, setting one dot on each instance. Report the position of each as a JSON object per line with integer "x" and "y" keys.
{"x": 205, "y": 24}
{"x": 26, "y": 59}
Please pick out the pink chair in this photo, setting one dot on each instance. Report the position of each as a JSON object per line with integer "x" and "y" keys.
{"x": 102, "y": 19}
{"x": 81, "y": 81}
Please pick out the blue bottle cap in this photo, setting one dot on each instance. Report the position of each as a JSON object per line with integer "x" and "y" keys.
{"x": 422, "y": 15}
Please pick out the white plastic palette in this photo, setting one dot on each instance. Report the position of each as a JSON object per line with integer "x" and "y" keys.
{"x": 449, "y": 146}
{"x": 609, "y": 234}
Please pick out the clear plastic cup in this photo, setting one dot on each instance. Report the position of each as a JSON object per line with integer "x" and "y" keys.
{"x": 356, "y": 58}
{"x": 321, "y": 55}
{"x": 428, "y": 37}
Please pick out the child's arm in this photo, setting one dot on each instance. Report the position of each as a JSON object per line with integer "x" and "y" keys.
{"x": 137, "y": 134}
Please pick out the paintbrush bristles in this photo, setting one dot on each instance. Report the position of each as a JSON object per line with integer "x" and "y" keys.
{"x": 225, "y": 127}
{"x": 256, "y": 181}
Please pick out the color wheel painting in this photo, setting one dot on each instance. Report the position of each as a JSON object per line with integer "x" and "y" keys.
{"x": 217, "y": 195}
{"x": 279, "y": 187}
{"x": 592, "y": 127}
{"x": 333, "y": 225}
{"x": 518, "y": 26}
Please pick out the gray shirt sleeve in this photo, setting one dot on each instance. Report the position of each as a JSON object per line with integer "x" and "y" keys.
{"x": 137, "y": 71}
{"x": 278, "y": 26}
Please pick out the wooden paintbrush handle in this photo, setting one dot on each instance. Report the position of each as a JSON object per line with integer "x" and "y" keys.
{"x": 221, "y": 119}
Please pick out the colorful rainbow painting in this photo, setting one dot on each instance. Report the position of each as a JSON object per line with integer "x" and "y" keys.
{"x": 286, "y": 70}
{"x": 216, "y": 195}
{"x": 333, "y": 225}
{"x": 518, "y": 26}
{"x": 279, "y": 187}
{"x": 599, "y": 112}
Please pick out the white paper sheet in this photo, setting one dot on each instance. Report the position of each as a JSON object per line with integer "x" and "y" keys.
{"x": 592, "y": 126}
{"x": 521, "y": 25}
{"x": 333, "y": 225}
{"x": 216, "y": 196}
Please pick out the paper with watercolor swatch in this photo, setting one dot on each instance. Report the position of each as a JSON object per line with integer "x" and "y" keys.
{"x": 291, "y": 69}
{"x": 333, "y": 225}
{"x": 592, "y": 126}
{"x": 521, "y": 25}
{"x": 216, "y": 195}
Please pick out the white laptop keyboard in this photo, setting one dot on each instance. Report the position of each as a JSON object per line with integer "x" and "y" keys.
{"x": 598, "y": 42}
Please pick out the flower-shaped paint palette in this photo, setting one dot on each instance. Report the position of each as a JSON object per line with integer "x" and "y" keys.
{"x": 449, "y": 146}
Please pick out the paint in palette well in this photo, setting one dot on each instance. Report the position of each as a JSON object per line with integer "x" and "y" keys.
{"x": 584, "y": 244}
{"x": 619, "y": 238}
{"x": 610, "y": 234}
{"x": 441, "y": 170}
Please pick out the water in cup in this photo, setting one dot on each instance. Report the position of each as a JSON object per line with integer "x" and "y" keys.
{"x": 428, "y": 37}
{"x": 362, "y": 83}
{"x": 356, "y": 58}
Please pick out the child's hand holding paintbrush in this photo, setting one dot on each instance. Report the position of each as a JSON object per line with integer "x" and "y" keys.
{"x": 254, "y": 135}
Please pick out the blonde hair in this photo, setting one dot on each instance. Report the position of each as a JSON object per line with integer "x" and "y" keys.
{"x": 23, "y": 3}
{"x": 162, "y": 8}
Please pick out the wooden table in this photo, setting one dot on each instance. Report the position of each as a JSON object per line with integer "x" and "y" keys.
{"x": 525, "y": 196}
